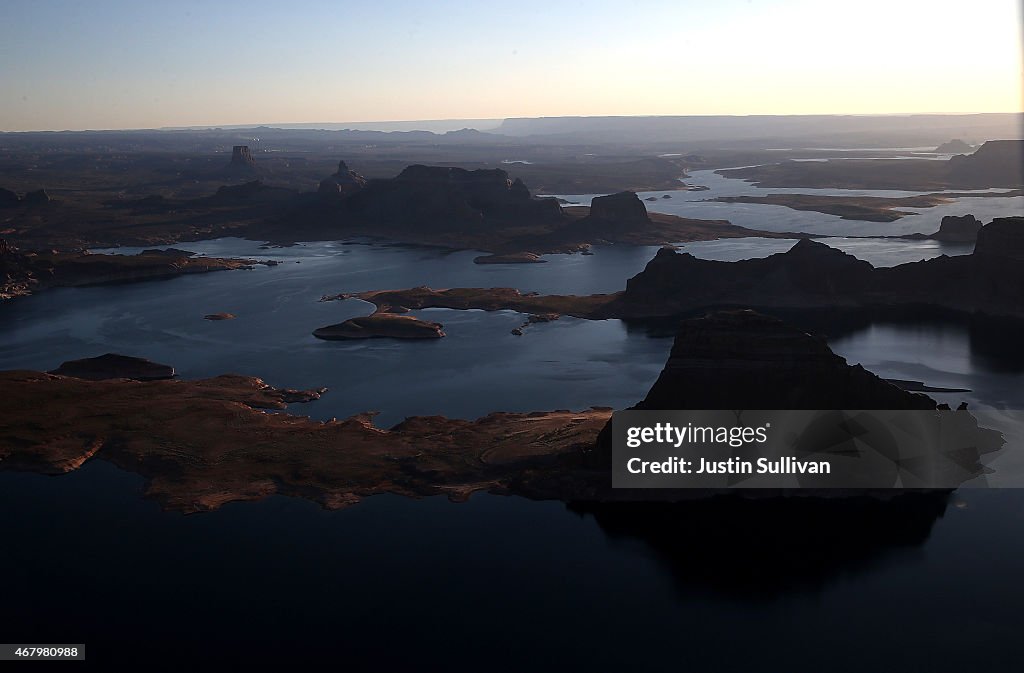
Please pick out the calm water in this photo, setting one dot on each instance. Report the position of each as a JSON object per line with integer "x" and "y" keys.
{"x": 501, "y": 583}
{"x": 780, "y": 218}
{"x": 497, "y": 583}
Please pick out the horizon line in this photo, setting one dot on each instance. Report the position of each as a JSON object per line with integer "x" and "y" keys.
{"x": 283, "y": 125}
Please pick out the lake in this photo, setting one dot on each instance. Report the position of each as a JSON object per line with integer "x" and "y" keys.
{"x": 697, "y": 204}
{"x": 499, "y": 583}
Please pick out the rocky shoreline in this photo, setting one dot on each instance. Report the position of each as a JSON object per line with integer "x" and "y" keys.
{"x": 201, "y": 444}
{"x": 22, "y": 274}
{"x": 811, "y": 276}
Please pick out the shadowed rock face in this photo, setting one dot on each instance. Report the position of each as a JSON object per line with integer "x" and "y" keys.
{"x": 241, "y": 157}
{"x": 955, "y": 229}
{"x": 431, "y": 194}
{"x": 812, "y": 275}
{"x": 997, "y": 163}
{"x": 809, "y": 273}
{"x": 624, "y": 208}
{"x": 1002, "y": 239}
{"x": 745, "y": 360}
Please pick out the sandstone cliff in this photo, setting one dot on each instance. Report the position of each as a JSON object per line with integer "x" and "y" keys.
{"x": 812, "y": 275}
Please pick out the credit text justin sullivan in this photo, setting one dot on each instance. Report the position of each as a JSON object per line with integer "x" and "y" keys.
{"x": 675, "y": 465}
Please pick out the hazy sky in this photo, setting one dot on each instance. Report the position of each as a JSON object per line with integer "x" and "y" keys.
{"x": 73, "y": 65}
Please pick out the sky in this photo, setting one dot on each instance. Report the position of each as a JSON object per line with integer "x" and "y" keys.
{"x": 106, "y": 64}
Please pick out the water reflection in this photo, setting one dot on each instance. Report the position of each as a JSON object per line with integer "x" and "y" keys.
{"x": 757, "y": 549}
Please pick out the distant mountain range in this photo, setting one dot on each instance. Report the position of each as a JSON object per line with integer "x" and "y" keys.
{"x": 764, "y": 131}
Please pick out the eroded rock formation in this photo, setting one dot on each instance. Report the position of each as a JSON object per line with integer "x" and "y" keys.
{"x": 812, "y": 275}
{"x": 241, "y": 157}
{"x": 344, "y": 182}
{"x": 955, "y": 229}
{"x": 431, "y": 195}
{"x": 746, "y": 360}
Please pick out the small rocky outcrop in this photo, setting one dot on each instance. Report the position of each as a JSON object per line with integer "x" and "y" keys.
{"x": 381, "y": 325}
{"x": 624, "y": 209}
{"x": 953, "y": 229}
{"x": 115, "y": 366}
{"x": 510, "y": 258}
{"x": 167, "y": 252}
{"x": 8, "y": 198}
{"x": 344, "y": 182}
{"x": 293, "y": 396}
{"x": 37, "y": 198}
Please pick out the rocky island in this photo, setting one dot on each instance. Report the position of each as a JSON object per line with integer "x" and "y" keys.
{"x": 381, "y": 325}
{"x": 115, "y": 366}
{"x": 26, "y": 273}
